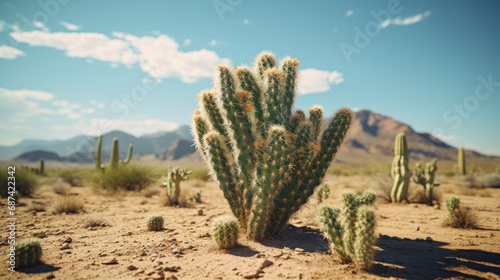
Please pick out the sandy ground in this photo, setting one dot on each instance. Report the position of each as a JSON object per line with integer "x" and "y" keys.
{"x": 185, "y": 250}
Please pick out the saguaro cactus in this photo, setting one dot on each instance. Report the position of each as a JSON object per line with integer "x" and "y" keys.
{"x": 351, "y": 230}
{"x": 173, "y": 184}
{"x": 400, "y": 171}
{"x": 461, "y": 162}
{"x": 267, "y": 160}
{"x": 114, "y": 158}
{"x": 425, "y": 177}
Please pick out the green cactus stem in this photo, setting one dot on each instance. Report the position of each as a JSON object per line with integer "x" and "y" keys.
{"x": 400, "y": 171}
{"x": 323, "y": 193}
{"x": 425, "y": 177}
{"x": 461, "y": 162}
{"x": 225, "y": 232}
{"x": 28, "y": 253}
{"x": 173, "y": 184}
{"x": 114, "y": 161}
{"x": 452, "y": 204}
{"x": 267, "y": 159}
{"x": 155, "y": 223}
{"x": 42, "y": 166}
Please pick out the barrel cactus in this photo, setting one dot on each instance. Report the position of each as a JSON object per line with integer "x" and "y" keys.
{"x": 155, "y": 223}
{"x": 351, "y": 230}
{"x": 28, "y": 253}
{"x": 267, "y": 159}
{"x": 399, "y": 170}
{"x": 114, "y": 161}
{"x": 173, "y": 184}
{"x": 425, "y": 177}
{"x": 225, "y": 232}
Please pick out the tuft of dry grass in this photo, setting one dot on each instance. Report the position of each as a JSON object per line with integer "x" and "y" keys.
{"x": 151, "y": 191}
{"x": 60, "y": 188}
{"x": 36, "y": 206}
{"x": 183, "y": 200}
{"x": 417, "y": 195}
{"x": 130, "y": 177}
{"x": 92, "y": 222}
{"x": 382, "y": 184}
{"x": 68, "y": 204}
{"x": 463, "y": 218}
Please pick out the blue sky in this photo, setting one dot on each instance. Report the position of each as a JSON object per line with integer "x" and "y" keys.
{"x": 87, "y": 67}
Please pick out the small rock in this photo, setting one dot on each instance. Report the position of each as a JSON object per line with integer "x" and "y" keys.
{"x": 40, "y": 235}
{"x": 110, "y": 261}
{"x": 418, "y": 228}
{"x": 171, "y": 277}
{"x": 428, "y": 239}
{"x": 200, "y": 212}
{"x": 68, "y": 240}
{"x": 65, "y": 246}
{"x": 260, "y": 255}
{"x": 132, "y": 267}
{"x": 50, "y": 276}
{"x": 300, "y": 250}
{"x": 253, "y": 276}
{"x": 172, "y": 268}
{"x": 265, "y": 264}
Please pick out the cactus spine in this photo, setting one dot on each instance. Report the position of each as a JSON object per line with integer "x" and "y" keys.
{"x": 28, "y": 253}
{"x": 267, "y": 159}
{"x": 155, "y": 223}
{"x": 351, "y": 230}
{"x": 425, "y": 177}
{"x": 114, "y": 161}
{"x": 173, "y": 184}
{"x": 400, "y": 171}
{"x": 225, "y": 232}
{"x": 461, "y": 162}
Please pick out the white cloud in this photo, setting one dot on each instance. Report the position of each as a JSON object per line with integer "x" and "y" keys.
{"x": 444, "y": 137}
{"x": 246, "y": 21}
{"x": 405, "y": 21}
{"x": 88, "y": 111}
{"x": 26, "y": 94}
{"x": 4, "y": 25}
{"x": 23, "y": 103}
{"x": 313, "y": 81}
{"x": 97, "y": 104}
{"x": 213, "y": 43}
{"x": 349, "y": 13}
{"x": 186, "y": 42}
{"x": 70, "y": 26}
{"x": 158, "y": 56}
{"x": 66, "y": 108}
{"x": 40, "y": 25}
{"x": 7, "y": 52}
{"x": 137, "y": 127}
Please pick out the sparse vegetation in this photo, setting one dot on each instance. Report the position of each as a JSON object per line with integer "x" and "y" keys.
{"x": 459, "y": 217}
{"x": 491, "y": 180}
{"x": 60, "y": 187}
{"x": 200, "y": 174}
{"x": 173, "y": 183}
{"x": 130, "y": 177}
{"x": 74, "y": 177}
{"x": 382, "y": 183}
{"x": 323, "y": 193}
{"x": 196, "y": 197}
{"x": 35, "y": 206}
{"x": 93, "y": 222}
{"x": 68, "y": 204}
{"x": 25, "y": 181}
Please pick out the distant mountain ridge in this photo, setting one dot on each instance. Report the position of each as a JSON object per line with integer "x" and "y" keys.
{"x": 370, "y": 140}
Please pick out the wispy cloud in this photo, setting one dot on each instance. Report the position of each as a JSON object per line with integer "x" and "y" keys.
{"x": 314, "y": 81}
{"x": 213, "y": 43}
{"x": 158, "y": 56}
{"x": 349, "y": 13}
{"x": 70, "y": 26}
{"x": 40, "y": 25}
{"x": 136, "y": 127}
{"x": 97, "y": 104}
{"x": 7, "y": 52}
{"x": 445, "y": 137}
{"x": 405, "y": 21}
{"x": 23, "y": 103}
{"x": 186, "y": 42}
{"x": 246, "y": 21}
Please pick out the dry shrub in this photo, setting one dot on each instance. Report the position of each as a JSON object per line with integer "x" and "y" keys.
{"x": 463, "y": 218}
{"x": 60, "y": 188}
{"x": 26, "y": 182}
{"x": 68, "y": 204}
{"x": 36, "y": 206}
{"x": 129, "y": 177}
{"x": 382, "y": 184}
{"x": 150, "y": 191}
{"x": 417, "y": 195}
{"x": 92, "y": 222}
{"x": 486, "y": 181}
{"x": 182, "y": 201}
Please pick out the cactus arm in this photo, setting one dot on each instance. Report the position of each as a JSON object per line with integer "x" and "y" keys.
{"x": 98, "y": 164}
{"x": 349, "y": 210}
{"x": 316, "y": 119}
{"x": 199, "y": 128}
{"x": 329, "y": 218}
{"x": 248, "y": 83}
{"x": 129, "y": 155}
{"x": 289, "y": 70}
{"x": 461, "y": 161}
{"x": 295, "y": 121}
{"x": 263, "y": 62}
{"x": 365, "y": 237}
{"x": 113, "y": 160}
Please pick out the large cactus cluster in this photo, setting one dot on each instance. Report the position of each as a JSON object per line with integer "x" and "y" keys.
{"x": 114, "y": 161}
{"x": 399, "y": 170}
{"x": 173, "y": 183}
{"x": 425, "y": 177}
{"x": 267, "y": 158}
{"x": 28, "y": 253}
{"x": 351, "y": 229}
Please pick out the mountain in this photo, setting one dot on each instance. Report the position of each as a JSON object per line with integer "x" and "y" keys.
{"x": 179, "y": 149}
{"x": 37, "y": 155}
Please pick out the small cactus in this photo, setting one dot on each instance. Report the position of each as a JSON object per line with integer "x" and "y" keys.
{"x": 323, "y": 193}
{"x": 42, "y": 166}
{"x": 225, "y": 232}
{"x": 196, "y": 197}
{"x": 28, "y": 253}
{"x": 114, "y": 158}
{"x": 155, "y": 223}
{"x": 461, "y": 162}
{"x": 452, "y": 204}
{"x": 400, "y": 171}
{"x": 173, "y": 184}
{"x": 425, "y": 177}
{"x": 351, "y": 230}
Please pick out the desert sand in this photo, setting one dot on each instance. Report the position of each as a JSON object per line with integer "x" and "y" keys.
{"x": 412, "y": 244}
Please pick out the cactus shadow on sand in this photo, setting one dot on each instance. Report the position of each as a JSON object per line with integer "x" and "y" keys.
{"x": 306, "y": 238}
{"x": 419, "y": 259}
{"x": 242, "y": 251}
{"x": 39, "y": 268}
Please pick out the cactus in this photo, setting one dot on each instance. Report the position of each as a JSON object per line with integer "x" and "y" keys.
{"x": 225, "y": 232}
{"x": 452, "y": 204}
{"x": 173, "y": 184}
{"x": 155, "y": 223}
{"x": 351, "y": 230}
{"x": 323, "y": 193}
{"x": 42, "y": 166}
{"x": 425, "y": 177}
{"x": 28, "y": 253}
{"x": 400, "y": 171}
{"x": 114, "y": 161}
{"x": 196, "y": 197}
{"x": 461, "y": 162}
{"x": 267, "y": 159}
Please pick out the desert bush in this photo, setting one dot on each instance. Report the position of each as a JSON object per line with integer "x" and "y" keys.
{"x": 35, "y": 206}
{"x": 60, "y": 187}
{"x": 418, "y": 195}
{"x": 74, "y": 177}
{"x": 151, "y": 191}
{"x": 25, "y": 181}
{"x": 225, "y": 232}
{"x": 459, "y": 217}
{"x": 68, "y": 204}
{"x": 382, "y": 184}
{"x": 200, "y": 174}
{"x": 491, "y": 180}
{"x": 130, "y": 177}
{"x": 91, "y": 222}
{"x": 351, "y": 230}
